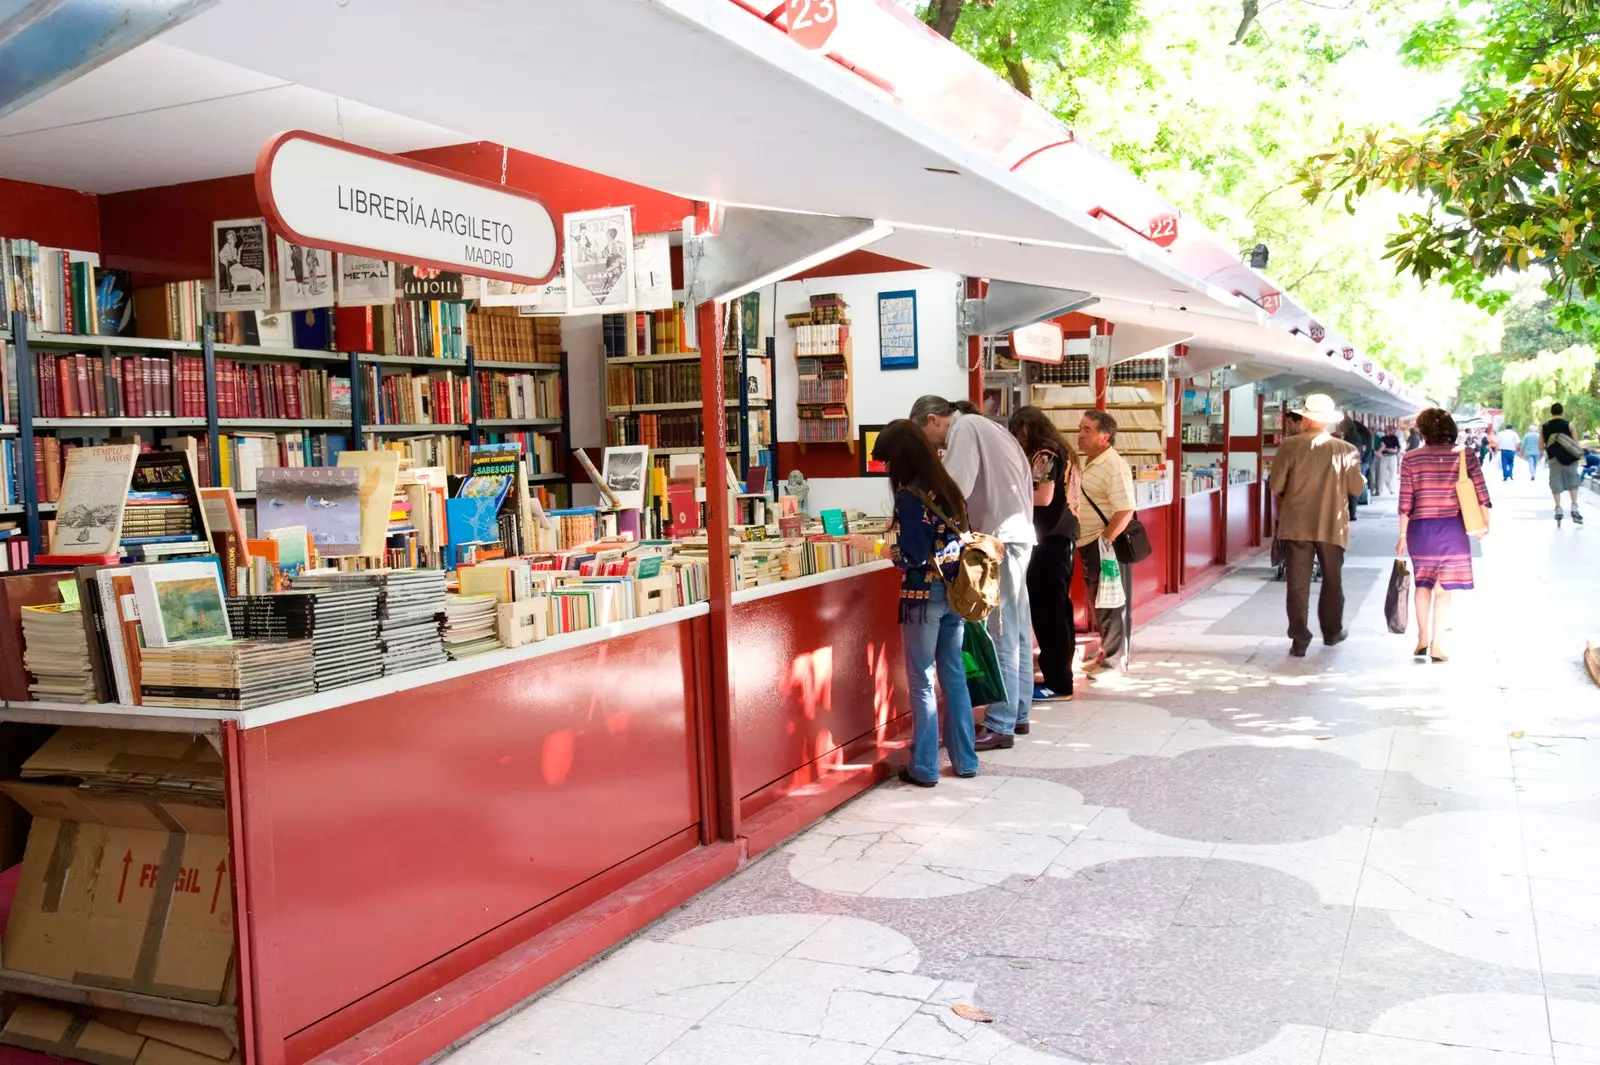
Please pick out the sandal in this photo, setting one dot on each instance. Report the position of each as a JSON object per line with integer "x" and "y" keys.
{"x": 1421, "y": 651}
{"x": 1438, "y": 657}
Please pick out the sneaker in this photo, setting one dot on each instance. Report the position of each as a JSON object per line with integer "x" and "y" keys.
{"x": 1558, "y": 517}
{"x": 1577, "y": 518}
{"x": 1042, "y": 694}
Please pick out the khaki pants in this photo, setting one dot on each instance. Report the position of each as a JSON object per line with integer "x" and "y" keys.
{"x": 1297, "y": 556}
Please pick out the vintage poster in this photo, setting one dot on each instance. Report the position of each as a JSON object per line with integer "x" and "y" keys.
{"x": 239, "y": 264}
{"x": 496, "y": 293}
{"x": 598, "y": 251}
{"x": 897, "y": 330}
{"x": 426, "y": 283}
{"x": 652, "y": 272}
{"x": 365, "y": 281}
{"x": 305, "y": 277}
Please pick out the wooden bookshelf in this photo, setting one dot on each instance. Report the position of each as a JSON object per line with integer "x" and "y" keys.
{"x": 824, "y": 354}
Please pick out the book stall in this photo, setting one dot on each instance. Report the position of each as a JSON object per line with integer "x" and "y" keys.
{"x": 424, "y": 561}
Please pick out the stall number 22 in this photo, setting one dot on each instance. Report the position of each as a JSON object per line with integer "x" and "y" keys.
{"x": 811, "y": 22}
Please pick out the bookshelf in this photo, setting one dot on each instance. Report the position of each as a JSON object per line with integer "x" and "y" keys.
{"x": 823, "y": 353}
{"x": 316, "y": 381}
{"x": 1136, "y": 395}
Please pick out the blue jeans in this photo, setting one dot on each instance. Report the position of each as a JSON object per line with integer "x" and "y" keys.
{"x": 1011, "y": 625}
{"x": 934, "y": 645}
{"x": 1508, "y": 464}
{"x": 1533, "y": 467}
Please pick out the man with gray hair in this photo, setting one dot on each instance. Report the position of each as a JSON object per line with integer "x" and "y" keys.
{"x": 1106, "y": 484}
{"x": 989, "y": 467}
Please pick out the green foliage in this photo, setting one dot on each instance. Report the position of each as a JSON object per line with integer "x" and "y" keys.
{"x": 1022, "y": 40}
{"x": 1480, "y": 387}
{"x": 1566, "y": 377}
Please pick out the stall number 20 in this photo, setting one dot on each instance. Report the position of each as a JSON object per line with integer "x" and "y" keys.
{"x": 811, "y": 22}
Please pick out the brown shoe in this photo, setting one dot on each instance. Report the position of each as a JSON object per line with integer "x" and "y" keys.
{"x": 993, "y": 741}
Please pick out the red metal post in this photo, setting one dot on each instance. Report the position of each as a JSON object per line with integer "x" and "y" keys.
{"x": 713, "y": 411}
{"x": 1258, "y": 492}
{"x": 1178, "y": 505}
{"x": 1221, "y": 556}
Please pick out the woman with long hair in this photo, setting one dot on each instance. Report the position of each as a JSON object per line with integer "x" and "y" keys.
{"x": 1055, "y": 520}
{"x": 929, "y": 515}
{"x": 1432, "y": 529}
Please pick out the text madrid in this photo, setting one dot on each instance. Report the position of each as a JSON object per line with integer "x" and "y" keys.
{"x": 409, "y": 212}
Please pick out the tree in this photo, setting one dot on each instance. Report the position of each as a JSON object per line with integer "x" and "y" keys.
{"x": 1508, "y": 178}
{"x": 1566, "y": 377}
{"x": 1015, "y": 37}
{"x": 1480, "y": 387}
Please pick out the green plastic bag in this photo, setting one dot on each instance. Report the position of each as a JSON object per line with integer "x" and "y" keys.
{"x": 983, "y": 666}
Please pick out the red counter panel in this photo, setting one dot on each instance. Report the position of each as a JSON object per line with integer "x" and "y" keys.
{"x": 814, "y": 669}
{"x": 1239, "y": 524}
{"x": 1201, "y": 531}
{"x": 395, "y": 830}
{"x": 1150, "y": 576}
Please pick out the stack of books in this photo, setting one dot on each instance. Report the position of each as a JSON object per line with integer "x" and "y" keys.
{"x": 341, "y": 623}
{"x": 469, "y": 625}
{"x": 56, "y": 652}
{"x": 410, "y": 606}
{"x": 227, "y": 674}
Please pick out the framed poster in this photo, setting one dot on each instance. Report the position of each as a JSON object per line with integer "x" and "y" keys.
{"x": 868, "y": 437}
{"x": 598, "y": 251}
{"x": 305, "y": 277}
{"x": 239, "y": 264}
{"x": 897, "y": 330}
{"x": 365, "y": 281}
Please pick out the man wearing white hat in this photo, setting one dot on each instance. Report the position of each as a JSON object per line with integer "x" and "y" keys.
{"x": 1314, "y": 476}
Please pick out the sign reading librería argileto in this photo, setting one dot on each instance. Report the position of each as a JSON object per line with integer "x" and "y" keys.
{"x": 329, "y": 194}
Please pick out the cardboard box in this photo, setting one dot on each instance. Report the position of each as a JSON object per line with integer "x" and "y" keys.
{"x": 134, "y": 758}
{"x": 57, "y": 1030}
{"x": 129, "y": 892}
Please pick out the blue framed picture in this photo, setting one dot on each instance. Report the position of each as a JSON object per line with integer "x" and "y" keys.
{"x": 897, "y": 330}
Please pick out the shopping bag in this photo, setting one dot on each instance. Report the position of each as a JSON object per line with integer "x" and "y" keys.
{"x": 1397, "y": 603}
{"x": 983, "y": 666}
{"x": 1110, "y": 595}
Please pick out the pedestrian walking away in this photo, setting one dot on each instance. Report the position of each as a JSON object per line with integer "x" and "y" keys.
{"x": 1108, "y": 510}
{"x": 1566, "y": 460}
{"x": 1531, "y": 444}
{"x": 1433, "y": 529}
{"x": 1508, "y": 442}
{"x": 926, "y": 551}
{"x": 991, "y": 472}
{"x": 1314, "y": 476}
{"x": 1055, "y": 522}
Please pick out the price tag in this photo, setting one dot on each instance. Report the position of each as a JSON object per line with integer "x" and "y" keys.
{"x": 69, "y": 594}
{"x": 812, "y": 22}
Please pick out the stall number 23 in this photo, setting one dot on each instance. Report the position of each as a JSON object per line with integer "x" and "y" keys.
{"x": 811, "y": 22}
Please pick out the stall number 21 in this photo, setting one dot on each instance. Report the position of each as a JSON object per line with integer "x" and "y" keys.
{"x": 811, "y": 22}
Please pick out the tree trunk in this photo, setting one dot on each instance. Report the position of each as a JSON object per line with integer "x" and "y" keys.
{"x": 1016, "y": 69}
{"x": 943, "y": 15}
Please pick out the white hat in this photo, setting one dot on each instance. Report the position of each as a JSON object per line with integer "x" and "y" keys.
{"x": 1320, "y": 409}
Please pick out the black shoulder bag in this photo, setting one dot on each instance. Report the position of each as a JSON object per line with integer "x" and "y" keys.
{"x": 1133, "y": 545}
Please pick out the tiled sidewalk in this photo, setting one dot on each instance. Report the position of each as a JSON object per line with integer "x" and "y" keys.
{"x": 1228, "y": 856}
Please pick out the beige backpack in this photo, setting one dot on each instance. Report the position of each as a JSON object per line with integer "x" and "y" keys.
{"x": 976, "y": 589}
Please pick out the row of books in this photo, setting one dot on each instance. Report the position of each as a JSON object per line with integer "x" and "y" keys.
{"x": 499, "y": 334}
{"x": 518, "y": 395}
{"x": 424, "y": 329}
{"x": 673, "y": 429}
{"x": 820, "y": 339}
{"x": 823, "y": 389}
{"x": 676, "y": 382}
{"x": 82, "y": 385}
{"x": 435, "y": 398}
{"x": 1071, "y": 370}
{"x": 824, "y": 425}
{"x": 543, "y": 450}
{"x": 273, "y": 390}
{"x": 60, "y": 290}
{"x": 644, "y": 333}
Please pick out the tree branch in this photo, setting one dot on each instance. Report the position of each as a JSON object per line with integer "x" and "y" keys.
{"x": 1016, "y": 68}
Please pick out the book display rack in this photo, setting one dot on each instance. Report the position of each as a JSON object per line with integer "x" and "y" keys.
{"x": 822, "y": 350}
{"x": 1136, "y": 394}
{"x": 242, "y": 407}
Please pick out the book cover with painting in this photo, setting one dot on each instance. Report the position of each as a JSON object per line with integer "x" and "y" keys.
{"x": 379, "y": 470}
{"x": 180, "y": 602}
{"x": 324, "y": 501}
{"x": 94, "y": 493}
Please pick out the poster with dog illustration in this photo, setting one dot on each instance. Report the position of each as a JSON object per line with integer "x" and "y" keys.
{"x": 239, "y": 264}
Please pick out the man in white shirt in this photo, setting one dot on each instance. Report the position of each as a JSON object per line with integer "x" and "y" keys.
{"x": 1107, "y": 488}
{"x": 988, "y": 465}
{"x": 1508, "y": 441}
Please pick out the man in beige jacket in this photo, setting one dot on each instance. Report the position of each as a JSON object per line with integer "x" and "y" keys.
{"x": 1314, "y": 475}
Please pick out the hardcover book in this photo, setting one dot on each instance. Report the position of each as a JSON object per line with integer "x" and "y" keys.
{"x": 180, "y": 602}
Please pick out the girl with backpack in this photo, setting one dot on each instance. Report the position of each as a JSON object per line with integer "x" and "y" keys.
{"x": 929, "y": 515}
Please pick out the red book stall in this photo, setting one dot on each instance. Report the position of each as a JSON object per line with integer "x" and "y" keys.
{"x": 430, "y": 550}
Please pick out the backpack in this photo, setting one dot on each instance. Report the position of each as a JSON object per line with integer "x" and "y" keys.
{"x": 976, "y": 589}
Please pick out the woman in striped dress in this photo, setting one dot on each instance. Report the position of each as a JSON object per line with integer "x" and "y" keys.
{"x": 1432, "y": 530}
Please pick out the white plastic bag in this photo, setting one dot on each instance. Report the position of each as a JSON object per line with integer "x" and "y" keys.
{"x": 1110, "y": 595}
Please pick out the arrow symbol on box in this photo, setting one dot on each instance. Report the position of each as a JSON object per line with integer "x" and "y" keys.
{"x": 127, "y": 860}
{"x": 216, "y": 892}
